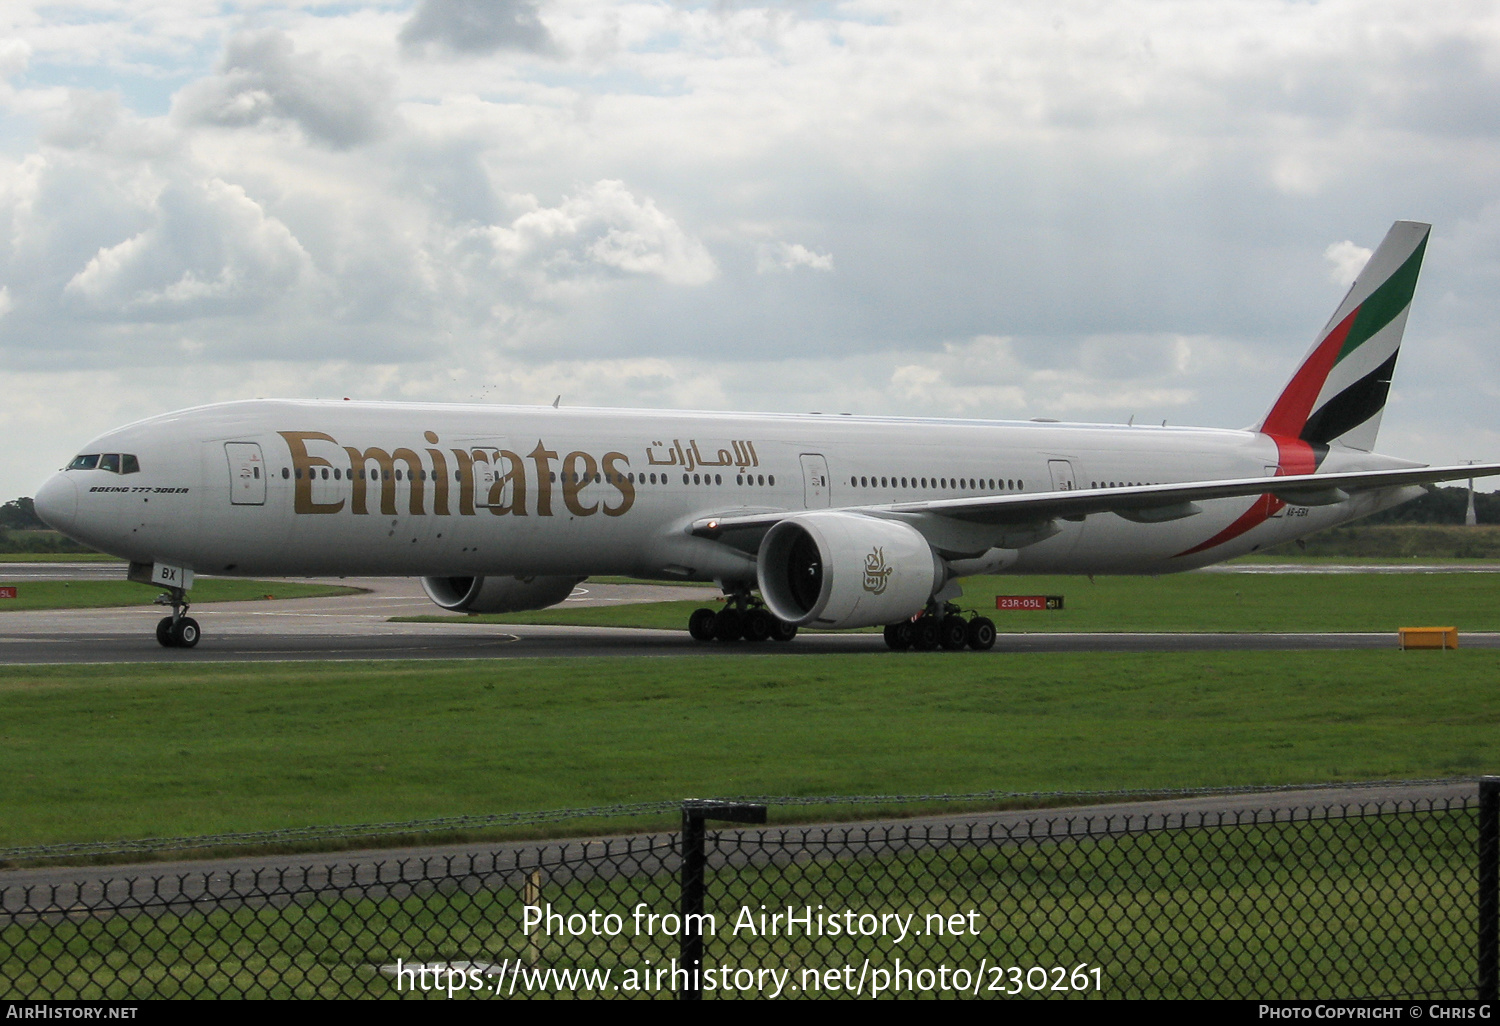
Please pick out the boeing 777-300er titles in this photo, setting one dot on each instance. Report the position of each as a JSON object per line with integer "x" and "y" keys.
{"x": 836, "y": 521}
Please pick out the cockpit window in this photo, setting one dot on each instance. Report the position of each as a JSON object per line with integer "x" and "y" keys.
{"x": 114, "y": 462}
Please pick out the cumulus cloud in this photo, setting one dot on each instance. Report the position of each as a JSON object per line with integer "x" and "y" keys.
{"x": 212, "y": 250}
{"x": 772, "y": 257}
{"x": 1346, "y": 261}
{"x": 15, "y": 54}
{"x": 86, "y": 118}
{"x": 992, "y": 376}
{"x": 263, "y": 78}
{"x": 1117, "y": 209}
{"x": 600, "y": 231}
{"x": 475, "y": 27}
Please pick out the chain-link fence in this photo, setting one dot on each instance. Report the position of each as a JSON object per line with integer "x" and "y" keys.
{"x": 1373, "y": 900}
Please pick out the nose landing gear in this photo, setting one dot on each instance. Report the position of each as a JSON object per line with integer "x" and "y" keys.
{"x": 178, "y": 630}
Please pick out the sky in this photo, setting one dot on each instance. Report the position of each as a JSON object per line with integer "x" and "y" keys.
{"x": 1075, "y": 209}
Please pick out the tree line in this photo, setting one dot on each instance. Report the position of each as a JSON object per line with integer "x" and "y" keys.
{"x": 1441, "y": 506}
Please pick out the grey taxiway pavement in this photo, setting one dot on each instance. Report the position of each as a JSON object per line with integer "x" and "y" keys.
{"x": 344, "y": 627}
{"x": 360, "y": 627}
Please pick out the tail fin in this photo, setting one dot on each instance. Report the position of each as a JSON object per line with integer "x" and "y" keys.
{"x": 1338, "y": 393}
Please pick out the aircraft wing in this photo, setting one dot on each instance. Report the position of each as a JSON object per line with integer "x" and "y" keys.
{"x": 1144, "y": 503}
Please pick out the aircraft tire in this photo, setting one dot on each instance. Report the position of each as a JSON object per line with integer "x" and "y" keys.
{"x": 953, "y": 633}
{"x": 164, "y": 633}
{"x": 981, "y": 634}
{"x": 926, "y": 634}
{"x": 185, "y": 633}
{"x": 783, "y": 631}
{"x": 898, "y": 636}
{"x": 701, "y": 624}
{"x": 729, "y": 625}
{"x": 758, "y": 625}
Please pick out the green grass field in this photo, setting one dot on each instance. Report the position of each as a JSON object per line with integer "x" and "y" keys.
{"x": 133, "y": 750}
{"x": 1180, "y": 602}
{"x": 58, "y": 557}
{"x": 93, "y": 594}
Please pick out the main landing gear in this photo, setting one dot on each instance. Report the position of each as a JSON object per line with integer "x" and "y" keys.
{"x": 178, "y": 630}
{"x": 743, "y": 618}
{"x": 943, "y": 628}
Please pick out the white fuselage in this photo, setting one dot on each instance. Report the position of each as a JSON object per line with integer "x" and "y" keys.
{"x": 272, "y": 487}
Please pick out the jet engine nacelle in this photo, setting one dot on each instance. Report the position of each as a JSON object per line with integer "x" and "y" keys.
{"x": 840, "y": 570}
{"x": 498, "y": 594}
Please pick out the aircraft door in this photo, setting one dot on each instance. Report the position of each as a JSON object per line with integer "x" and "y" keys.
{"x": 485, "y": 476}
{"x": 814, "y": 481}
{"x": 247, "y": 474}
{"x": 490, "y": 468}
{"x": 1062, "y": 475}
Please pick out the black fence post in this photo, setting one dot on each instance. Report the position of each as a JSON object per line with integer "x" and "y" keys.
{"x": 694, "y": 862}
{"x": 1489, "y": 889}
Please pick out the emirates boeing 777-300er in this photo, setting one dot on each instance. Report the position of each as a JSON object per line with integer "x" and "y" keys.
{"x": 827, "y": 522}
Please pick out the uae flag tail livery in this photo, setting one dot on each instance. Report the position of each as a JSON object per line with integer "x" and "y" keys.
{"x": 1334, "y": 400}
{"x": 1338, "y": 393}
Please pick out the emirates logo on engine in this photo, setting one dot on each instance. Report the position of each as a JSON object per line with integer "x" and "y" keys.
{"x": 877, "y": 572}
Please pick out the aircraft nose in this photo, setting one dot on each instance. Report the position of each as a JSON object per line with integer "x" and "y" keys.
{"x": 57, "y": 503}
